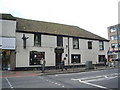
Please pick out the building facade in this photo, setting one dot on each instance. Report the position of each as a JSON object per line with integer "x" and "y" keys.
{"x": 7, "y": 41}
{"x": 36, "y": 40}
{"x": 114, "y": 37}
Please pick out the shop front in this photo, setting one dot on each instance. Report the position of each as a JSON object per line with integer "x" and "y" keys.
{"x": 7, "y": 49}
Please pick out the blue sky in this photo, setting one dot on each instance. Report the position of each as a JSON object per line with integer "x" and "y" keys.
{"x": 92, "y": 15}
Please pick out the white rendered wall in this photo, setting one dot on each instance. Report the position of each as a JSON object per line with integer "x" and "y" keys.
{"x": 49, "y": 43}
{"x": 22, "y": 56}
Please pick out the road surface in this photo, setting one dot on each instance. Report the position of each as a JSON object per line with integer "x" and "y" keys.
{"x": 102, "y": 79}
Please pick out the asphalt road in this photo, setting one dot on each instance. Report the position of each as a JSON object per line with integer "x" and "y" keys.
{"x": 102, "y": 79}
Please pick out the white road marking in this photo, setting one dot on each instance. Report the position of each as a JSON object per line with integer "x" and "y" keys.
{"x": 98, "y": 78}
{"x": 55, "y": 83}
{"x": 9, "y": 83}
{"x": 112, "y": 77}
{"x": 58, "y": 84}
{"x": 106, "y": 76}
{"x": 87, "y": 80}
{"x": 93, "y": 84}
{"x": 52, "y": 82}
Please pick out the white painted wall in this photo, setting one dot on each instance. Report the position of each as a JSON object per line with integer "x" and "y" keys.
{"x": 22, "y": 56}
{"x": 49, "y": 43}
{"x": 88, "y": 54}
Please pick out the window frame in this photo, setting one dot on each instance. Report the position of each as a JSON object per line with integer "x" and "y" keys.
{"x": 101, "y": 56}
{"x": 39, "y": 40}
{"x": 113, "y": 30}
{"x": 75, "y": 55}
{"x": 101, "y": 45}
{"x": 113, "y": 37}
{"x": 116, "y": 45}
{"x": 60, "y": 41}
{"x": 74, "y": 43}
{"x": 35, "y": 57}
{"x": 90, "y": 44}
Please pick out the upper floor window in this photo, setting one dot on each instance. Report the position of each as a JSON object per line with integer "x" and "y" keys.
{"x": 59, "y": 41}
{"x": 115, "y": 45}
{"x": 112, "y": 30}
{"x": 89, "y": 44}
{"x": 114, "y": 37}
{"x": 75, "y": 43}
{"x": 101, "y": 45}
{"x": 37, "y": 39}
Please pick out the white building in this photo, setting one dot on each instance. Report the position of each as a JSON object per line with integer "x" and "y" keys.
{"x": 53, "y": 42}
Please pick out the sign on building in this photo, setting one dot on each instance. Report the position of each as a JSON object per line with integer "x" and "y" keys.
{"x": 7, "y": 43}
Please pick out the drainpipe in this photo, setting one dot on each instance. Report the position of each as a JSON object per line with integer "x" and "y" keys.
{"x": 68, "y": 53}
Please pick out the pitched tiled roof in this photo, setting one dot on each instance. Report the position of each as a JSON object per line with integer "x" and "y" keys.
{"x": 26, "y": 25}
{"x": 54, "y": 28}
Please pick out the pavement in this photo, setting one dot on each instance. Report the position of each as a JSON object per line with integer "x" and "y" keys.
{"x": 49, "y": 72}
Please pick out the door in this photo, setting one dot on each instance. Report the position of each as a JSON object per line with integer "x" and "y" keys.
{"x": 58, "y": 58}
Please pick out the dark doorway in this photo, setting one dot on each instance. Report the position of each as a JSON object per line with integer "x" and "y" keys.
{"x": 101, "y": 58}
{"x": 58, "y": 58}
{"x": 5, "y": 59}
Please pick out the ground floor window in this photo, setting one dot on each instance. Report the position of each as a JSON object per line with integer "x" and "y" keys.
{"x": 101, "y": 58}
{"x": 5, "y": 56}
{"x": 75, "y": 58}
{"x": 35, "y": 57}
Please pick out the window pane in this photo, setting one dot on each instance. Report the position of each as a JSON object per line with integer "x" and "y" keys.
{"x": 101, "y": 58}
{"x": 59, "y": 41}
{"x": 75, "y": 43}
{"x": 75, "y": 58}
{"x": 114, "y": 37}
{"x": 101, "y": 45}
{"x": 37, "y": 39}
{"x": 113, "y": 30}
{"x": 35, "y": 57}
{"x": 115, "y": 45}
{"x": 89, "y": 45}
